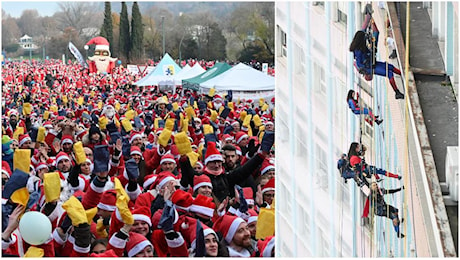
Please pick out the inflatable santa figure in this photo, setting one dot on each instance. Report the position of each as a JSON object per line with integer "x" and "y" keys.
{"x": 101, "y": 61}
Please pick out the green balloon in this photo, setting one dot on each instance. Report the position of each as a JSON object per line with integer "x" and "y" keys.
{"x": 35, "y": 228}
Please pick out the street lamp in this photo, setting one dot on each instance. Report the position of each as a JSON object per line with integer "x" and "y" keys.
{"x": 180, "y": 53}
{"x": 163, "y": 31}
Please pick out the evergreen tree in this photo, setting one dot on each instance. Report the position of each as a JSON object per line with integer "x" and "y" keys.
{"x": 124, "y": 39}
{"x": 137, "y": 33}
{"x": 107, "y": 27}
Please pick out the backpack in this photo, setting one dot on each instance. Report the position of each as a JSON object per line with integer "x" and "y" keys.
{"x": 344, "y": 168}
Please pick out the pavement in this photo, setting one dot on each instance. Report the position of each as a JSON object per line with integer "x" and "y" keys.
{"x": 438, "y": 101}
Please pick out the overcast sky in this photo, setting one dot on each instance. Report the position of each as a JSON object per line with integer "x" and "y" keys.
{"x": 15, "y": 8}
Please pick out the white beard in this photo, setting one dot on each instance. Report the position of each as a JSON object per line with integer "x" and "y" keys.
{"x": 217, "y": 105}
{"x": 102, "y": 64}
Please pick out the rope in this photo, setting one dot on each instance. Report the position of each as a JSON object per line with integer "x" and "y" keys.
{"x": 406, "y": 114}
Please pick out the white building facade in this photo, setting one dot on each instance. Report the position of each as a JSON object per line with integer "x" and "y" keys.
{"x": 318, "y": 215}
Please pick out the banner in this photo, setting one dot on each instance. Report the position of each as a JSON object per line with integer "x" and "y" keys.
{"x": 76, "y": 53}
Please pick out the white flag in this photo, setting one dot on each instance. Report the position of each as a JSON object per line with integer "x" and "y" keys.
{"x": 76, "y": 53}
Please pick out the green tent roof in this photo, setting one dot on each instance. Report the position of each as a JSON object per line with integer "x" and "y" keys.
{"x": 194, "y": 83}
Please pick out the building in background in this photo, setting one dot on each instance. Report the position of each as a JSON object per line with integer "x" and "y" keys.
{"x": 318, "y": 215}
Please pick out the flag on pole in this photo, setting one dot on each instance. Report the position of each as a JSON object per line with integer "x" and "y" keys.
{"x": 76, "y": 53}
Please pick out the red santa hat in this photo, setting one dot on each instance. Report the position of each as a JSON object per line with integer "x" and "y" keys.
{"x": 136, "y": 243}
{"x": 182, "y": 199}
{"x": 266, "y": 246}
{"x": 167, "y": 158}
{"x": 24, "y": 138}
{"x": 40, "y": 166}
{"x": 212, "y": 154}
{"x": 238, "y": 151}
{"x": 108, "y": 200}
{"x": 163, "y": 178}
{"x": 6, "y": 168}
{"x": 252, "y": 216}
{"x": 61, "y": 156}
{"x": 101, "y": 43}
{"x": 217, "y": 98}
{"x": 66, "y": 139}
{"x": 136, "y": 150}
{"x": 269, "y": 186}
{"x": 48, "y": 125}
{"x": 142, "y": 213}
{"x": 239, "y": 136}
{"x": 149, "y": 180}
{"x": 134, "y": 135}
{"x": 248, "y": 195}
{"x": 227, "y": 225}
{"x": 227, "y": 137}
{"x": 267, "y": 165}
{"x": 203, "y": 205}
{"x": 200, "y": 181}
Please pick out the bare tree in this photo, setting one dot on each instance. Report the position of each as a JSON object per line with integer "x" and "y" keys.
{"x": 78, "y": 15}
{"x": 29, "y": 22}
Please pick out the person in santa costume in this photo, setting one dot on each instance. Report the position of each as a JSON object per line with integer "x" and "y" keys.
{"x": 101, "y": 62}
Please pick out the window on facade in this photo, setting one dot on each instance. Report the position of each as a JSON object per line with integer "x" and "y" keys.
{"x": 299, "y": 59}
{"x": 319, "y": 4}
{"x": 321, "y": 168}
{"x": 342, "y": 12}
{"x": 319, "y": 78}
{"x": 283, "y": 42}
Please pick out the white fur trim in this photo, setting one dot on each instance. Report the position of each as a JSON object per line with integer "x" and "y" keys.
{"x": 268, "y": 248}
{"x": 208, "y": 231}
{"x": 25, "y": 140}
{"x": 202, "y": 210}
{"x": 82, "y": 250}
{"x": 165, "y": 180}
{"x": 138, "y": 248}
{"x": 102, "y": 47}
{"x": 58, "y": 238}
{"x": 266, "y": 169}
{"x": 106, "y": 207}
{"x": 134, "y": 137}
{"x": 167, "y": 160}
{"x": 267, "y": 189}
{"x": 183, "y": 208}
{"x": 214, "y": 157}
{"x": 41, "y": 166}
{"x": 133, "y": 194}
{"x": 232, "y": 210}
{"x": 117, "y": 242}
{"x": 60, "y": 158}
{"x": 232, "y": 229}
{"x": 143, "y": 218}
{"x": 241, "y": 138}
{"x": 177, "y": 242}
{"x": 66, "y": 141}
{"x": 57, "y": 212}
{"x": 97, "y": 189}
{"x": 201, "y": 184}
{"x": 149, "y": 182}
{"x": 252, "y": 219}
{"x": 136, "y": 152}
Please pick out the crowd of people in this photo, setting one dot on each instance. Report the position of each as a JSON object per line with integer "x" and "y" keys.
{"x": 121, "y": 170}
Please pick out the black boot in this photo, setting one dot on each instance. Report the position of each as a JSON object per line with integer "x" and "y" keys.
{"x": 378, "y": 122}
{"x": 398, "y": 94}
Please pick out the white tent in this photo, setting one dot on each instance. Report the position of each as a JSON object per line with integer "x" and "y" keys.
{"x": 188, "y": 74}
{"x": 244, "y": 82}
{"x": 241, "y": 78}
{"x": 162, "y": 75}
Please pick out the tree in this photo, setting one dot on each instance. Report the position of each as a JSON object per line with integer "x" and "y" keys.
{"x": 107, "y": 26}
{"x": 29, "y": 22}
{"x": 78, "y": 15}
{"x": 10, "y": 31}
{"x": 124, "y": 38}
{"x": 215, "y": 45}
{"x": 137, "y": 33}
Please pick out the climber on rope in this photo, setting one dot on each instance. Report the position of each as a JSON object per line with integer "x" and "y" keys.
{"x": 365, "y": 57}
{"x": 354, "y": 158}
{"x": 376, "y": 201}
{"x": 354, "y": 106}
